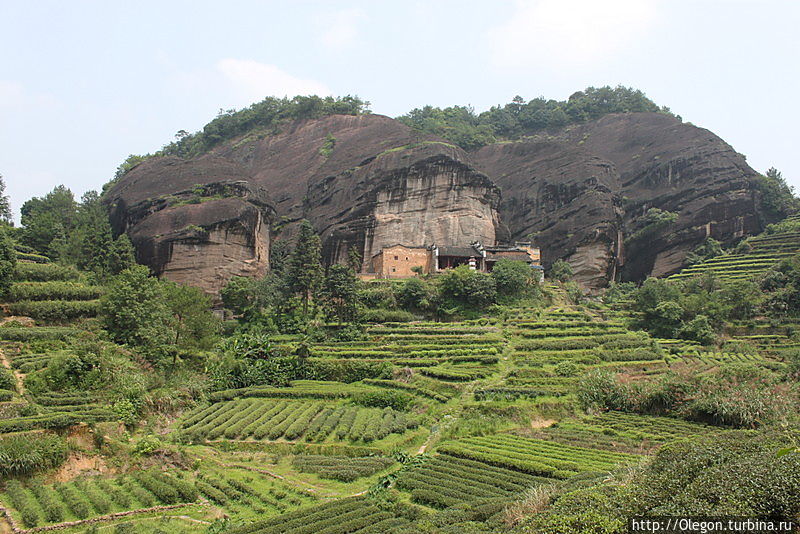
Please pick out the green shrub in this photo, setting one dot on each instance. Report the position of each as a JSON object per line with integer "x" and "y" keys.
{"x": 339, "y": 370}
{"x": 383, "y": 399}
{"x": 21, "y": 455}
{"x": 26, "y": 334}
{"x": 34, "y": 272}
{"x": 344, "y": 469}
{"x": 19, "y": 498}
{"x": 7, "y": 380}
{"x": 74, "y": 500}
{"x": 53, "y": 290}
{"x": 147, "y": 445}
{"x": 53, "y": 511}
{"x": 743, "y": 397}
{"x": 35, "y": 258}
{"x": 163, "y": 491}
{"x": 55, "y": 310}
{"x": 378, "y": 315}
{"x": 566, "y": 368}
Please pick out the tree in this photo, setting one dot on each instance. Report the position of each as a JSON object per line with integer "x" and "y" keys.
{"x": 48, "y": 219}
{"x": 561, "y": 271}
{"x": 5, "y": 206}
{"x": 192, "y": 321}
{"x": 8, "y": 262}
{"x": 354, "y": 259}
{"x": 305, "y": 267}
{"x": 339, "y": 293}
{"x": 512, "y": 278}
{"x": 776, "y": 196}
{"x": 710, "y": 248}
{"x": 698, "y": 329}
{"x": 468, "y": 286}
{"x": 238, "y": 295}
{"x": 665, "y": 319}
{"x": 88, "y": 242}
{"x": 133, "y": 311}
{"x": 121, "y": 256}
{"x": 279, "y": 254}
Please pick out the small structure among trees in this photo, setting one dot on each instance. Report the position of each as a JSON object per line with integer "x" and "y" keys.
{"x": 403, "y": 261}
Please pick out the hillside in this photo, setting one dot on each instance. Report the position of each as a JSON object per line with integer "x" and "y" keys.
{"x": 582, "y": 191}
{"x": 752, "y": 258}
{"x": 243, "y": 378}
{"x": 400, "y": 424}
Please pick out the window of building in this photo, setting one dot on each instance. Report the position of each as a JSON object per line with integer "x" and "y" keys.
{"x": 396, "y": 258}
{"x": 394, "y": 270}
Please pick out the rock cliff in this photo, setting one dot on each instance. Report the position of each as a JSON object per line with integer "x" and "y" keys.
{"x": 368, "y": 181}
{"x": 582, "y": 193}
{"x": 364, "y": 181}
{"x": 196, "y": 222}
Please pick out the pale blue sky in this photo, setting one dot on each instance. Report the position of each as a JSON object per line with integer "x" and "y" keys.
{"x": 85, "y": 83}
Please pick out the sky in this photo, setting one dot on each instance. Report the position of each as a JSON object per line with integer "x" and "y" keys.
{"x": 83, "y": 84}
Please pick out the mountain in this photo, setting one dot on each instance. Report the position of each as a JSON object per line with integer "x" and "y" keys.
{"x": 589, "y": 192}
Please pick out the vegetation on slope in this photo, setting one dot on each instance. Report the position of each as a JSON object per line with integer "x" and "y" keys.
{"x": 518, "y": 118}
{"x": 464, "y": 402}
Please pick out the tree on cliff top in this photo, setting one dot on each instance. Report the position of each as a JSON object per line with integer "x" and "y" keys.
{"x": 305, "y": 265}
{"x": 462, "y": 126}
{"x": 776, "y": 196}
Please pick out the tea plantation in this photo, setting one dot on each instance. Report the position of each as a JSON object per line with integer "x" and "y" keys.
{"x": 495, "y": 418}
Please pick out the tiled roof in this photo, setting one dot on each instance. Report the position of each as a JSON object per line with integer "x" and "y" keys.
{"x": 463, "y": 252}
{"x": 517, "y": 256}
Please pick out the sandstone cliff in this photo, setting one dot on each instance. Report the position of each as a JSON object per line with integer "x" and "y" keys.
{"x": 364, "y": 181}
{"x": 369, "y": 181}
{"x": 195, "y": 222}
{"x": 582, "y": 192}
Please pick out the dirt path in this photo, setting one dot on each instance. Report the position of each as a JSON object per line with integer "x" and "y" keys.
{"x": 427, "y": 443}
{"x": 19, "y": 377}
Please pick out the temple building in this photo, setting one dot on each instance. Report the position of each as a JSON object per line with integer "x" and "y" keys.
{"x": 403, "y": 261}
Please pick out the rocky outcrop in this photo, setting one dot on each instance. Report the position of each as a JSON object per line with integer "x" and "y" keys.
{"x": 196, "y": 222}
{"x": 561, "y": 198}
{"x": 416, "y": 195}
{"x": 368, "y": 181}
{"x": 364, "y": 182}
{"x": 582, "y": 193}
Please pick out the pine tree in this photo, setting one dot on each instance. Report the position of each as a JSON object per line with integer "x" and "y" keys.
{"x": 305, "y": 266}
{"x": 89, "y": 242}
{"x": 121, "y": 256}
{"x": 354, "y": 259}
{"x": 339, "y": 293}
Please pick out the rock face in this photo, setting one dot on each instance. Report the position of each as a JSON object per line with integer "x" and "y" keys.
{"x": 368, "y": 181}
{"x": 194, "y": 222}
{"x": 420, "y": 195}
{"x": 364, "y": 182}
{"x": 583, "y": 192}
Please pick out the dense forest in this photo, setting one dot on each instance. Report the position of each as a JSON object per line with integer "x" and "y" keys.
{"x": 470, "y": 130}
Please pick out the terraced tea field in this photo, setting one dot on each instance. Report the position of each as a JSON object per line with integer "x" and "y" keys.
{"x": 620, "y": 431}
{"x": 291, "y": 420}
{"x": 765, "y": 252}
{"x": 445, "y": 480}
{"x": 535, "y": 457}
{"x": 309, "y": 456}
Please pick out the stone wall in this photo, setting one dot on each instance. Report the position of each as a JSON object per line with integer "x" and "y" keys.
{"x": 397, "y": 261}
